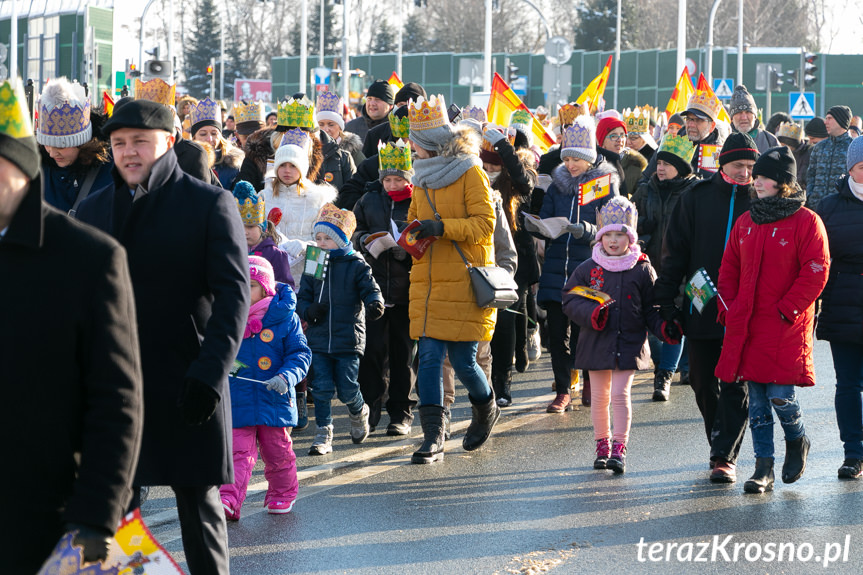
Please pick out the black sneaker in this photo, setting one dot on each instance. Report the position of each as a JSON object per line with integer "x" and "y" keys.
{"x": 851, "y": 469}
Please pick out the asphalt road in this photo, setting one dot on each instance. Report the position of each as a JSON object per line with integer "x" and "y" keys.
{"x": 529, "y": 501}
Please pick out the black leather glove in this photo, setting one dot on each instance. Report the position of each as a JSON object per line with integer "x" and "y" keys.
{"x": 429, "y": 228}
{"x": 317, "y": 312}
{"x": 375, "y": 310}
{"x": 199, "y": 401}
{"x": 669, "y": 312}
{"x": 94, "y": 541}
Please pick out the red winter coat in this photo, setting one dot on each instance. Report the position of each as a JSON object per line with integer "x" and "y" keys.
{"x": 768, "y": 269}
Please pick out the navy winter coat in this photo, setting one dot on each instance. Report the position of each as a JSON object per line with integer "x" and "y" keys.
{"x": 280, "y": 348}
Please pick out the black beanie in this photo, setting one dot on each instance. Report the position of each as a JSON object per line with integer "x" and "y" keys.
{"x": 778, "y": 164}
{"x": 410, "y": 91}
{"x": 738, "y": 146}
{"x": 23, "y": 152}
{"x": 842, "y": 115}
{"x": 683, "y": 167}
{"x": 382, "y": 90}
{"x": 815, "y": 128}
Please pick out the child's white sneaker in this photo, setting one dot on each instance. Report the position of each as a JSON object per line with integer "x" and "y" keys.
{"x": 360, "y": 424}
{"x": 323, "y": 443}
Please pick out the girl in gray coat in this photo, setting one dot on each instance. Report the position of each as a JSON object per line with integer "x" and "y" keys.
{"x": 610, "y": 296}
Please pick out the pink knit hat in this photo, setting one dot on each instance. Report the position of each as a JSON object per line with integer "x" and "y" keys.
{"x": 262, "y": 272}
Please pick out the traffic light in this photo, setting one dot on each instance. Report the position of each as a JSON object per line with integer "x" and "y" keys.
{"x": 421, "y": 3}
{"x": 776, "y": 80}
{"x": 511, "y": 72}
{"x": 210, "y": 70}
{"x": 809, "y": 69}
{"x": 791, "y": 78}
{"x": 132, "y": 71}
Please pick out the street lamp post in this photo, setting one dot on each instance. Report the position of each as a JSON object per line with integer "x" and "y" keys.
{"x": 346, "y": 73}
{"x": 710, "y": 20}
{"x": 617, "y": 52}
{"x": 304, "y": 44}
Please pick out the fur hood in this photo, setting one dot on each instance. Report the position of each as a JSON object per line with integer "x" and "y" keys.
{"x": 464, "y": 141}
{"x": 632, "y": 158}
{"x": 351, "y": 143}
{"x": 258, "y": 148}
{"x": 233, "y": 159}
{"x": 568, "y": 185}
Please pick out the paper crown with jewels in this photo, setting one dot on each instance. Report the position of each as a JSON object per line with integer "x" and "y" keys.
{"x": 428, "y": 114}
{"x": 249, "y": 112}
{"x": 296, "y": 114}
{"x": 705, "y": 103}
{"x": 637, "y": 121}
{"x": 618, "y": 214}
{"x": 680, "y": 146}
{"x": 296, "y": 137}
{"x": 14, "y": 115}
{"x": 790, "y": 130}
{"x": 64, "y": 115}
{"x": 474, "y": 112}
{"x": 206, "y": 110}
{"x": 569, "y": 112}
{"x": 579, "y": 140}
{"x": 522, "y": 120}
{"x": 251, "y": 205}
{"x": 394, "y": 157}
{"x": 329, "y": 102}
{"x": 156, "y": 90}
{"x": 338, "y": 224}
{"x": 400, "y": 127}
{"x": 508, "y": 132}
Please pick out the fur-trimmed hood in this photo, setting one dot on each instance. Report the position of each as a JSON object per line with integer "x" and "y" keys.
{"x": 568, "y": 185}
{"x": 351, "y": 143}
{"x": 258, "y": 148}
{"x": 457, "y": 155}
{"x": 233, "y": 159}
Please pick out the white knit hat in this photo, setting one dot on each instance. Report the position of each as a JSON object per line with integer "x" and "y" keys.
{"x": 294, "y": 148}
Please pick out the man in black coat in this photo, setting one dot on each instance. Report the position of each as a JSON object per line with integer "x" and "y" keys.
{"x": 187, "y": 256}
{"x": 695, "y": 238}
{"x": 70, "y": 368}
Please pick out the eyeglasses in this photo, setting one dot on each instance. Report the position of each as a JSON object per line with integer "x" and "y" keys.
{"x": 615, "y": 137}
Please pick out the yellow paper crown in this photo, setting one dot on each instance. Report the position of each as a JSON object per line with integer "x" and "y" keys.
{"x": 427, "y": 114}
{"x": 394, "y": 156}
{"x": 637, "y": 121}
{"x": 508, "y": 132}
{"x": 14, "y": 114}
{"x": 297, "y": 113}
{"x": 680, "y": 146}
{"x": 156, "y": 90}
{"x": 706, "y": 103}
{"x": 790, "y": 130}
{"x": 400, "y": 127}
{"x": 569, "y": 112}
{"x": 251, "y": 112}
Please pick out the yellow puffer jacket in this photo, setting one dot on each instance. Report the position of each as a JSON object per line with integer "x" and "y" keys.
{"x": 442, "y": 304}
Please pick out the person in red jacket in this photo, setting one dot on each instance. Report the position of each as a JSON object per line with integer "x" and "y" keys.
{"x": 774, "y": 268}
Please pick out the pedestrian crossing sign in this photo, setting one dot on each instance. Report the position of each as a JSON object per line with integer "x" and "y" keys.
{"x": 801, "y": 105}
{"x": 722, "y": 88}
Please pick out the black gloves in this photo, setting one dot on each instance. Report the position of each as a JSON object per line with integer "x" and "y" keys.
{"x": 94, "y": 541}
{"x": 429, "y": 228}
{"x": 670, "y": 312}
{"x": 317, "y": 312}
{"x": 375, "y": 310}
{"x": 198, "y": 401}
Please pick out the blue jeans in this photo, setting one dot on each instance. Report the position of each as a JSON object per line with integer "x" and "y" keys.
{"x": 761, "y": 396}
{"x": 665, "y": 355}
{"x": 848, "y": 363}
{"x": 462, "y": 356}
{"x": 335, "y": 372}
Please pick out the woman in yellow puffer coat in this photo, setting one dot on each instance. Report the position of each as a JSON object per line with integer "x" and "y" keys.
{"x": 452, "y": 200}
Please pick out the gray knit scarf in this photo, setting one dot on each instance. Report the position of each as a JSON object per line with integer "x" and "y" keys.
{"x": 440, "y": 171}
{"x": 774, "y": 208}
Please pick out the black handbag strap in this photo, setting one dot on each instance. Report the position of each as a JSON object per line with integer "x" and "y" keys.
{"x": 85, "y": 188}
{"x": 438, "y": 218}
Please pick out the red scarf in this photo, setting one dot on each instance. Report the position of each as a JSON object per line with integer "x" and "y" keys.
{"x": 403, "y": 194}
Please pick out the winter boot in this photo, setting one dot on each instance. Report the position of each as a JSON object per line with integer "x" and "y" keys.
{"x": 851, "y": 469}
{"x": 585, "y": 390}
{"x": 302, "y": 411}
{"x": 762, "y": 479}
{"x": 485, "y": 415}
{"x": 684, "y": 378}
{"x": 603, "y": 450}
{"x": 662, "y": 384}
{"x": 560, "y": 404}
{"x": 617, "y": 460}
{"x": 795, "y": 459}
{"x": 323, "y": 443}
{"x": 360, "y": 424}
{"x": 522, "y": 362}
{"x": 502, "y": 384}
{"x": 432, "y": 421}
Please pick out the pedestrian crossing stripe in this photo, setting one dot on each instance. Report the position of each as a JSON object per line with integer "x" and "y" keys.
{"x": 803, "y": 108}
{"x": 723, "y": 89}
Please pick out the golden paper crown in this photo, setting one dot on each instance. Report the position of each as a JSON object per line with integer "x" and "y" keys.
{"x": 14, "y": 114}
{"x": 297, "y": 113}
{"x": 205, "y": 110}
{"x": 637, "y": 121}
{"x": 394, "y": 156}
{"x": 251, "y": 112}
{"x": 680, "y": 146}
{"x": 508, "y": 132}
{"x": 332, "y": 219}
{"x": 569, "y": 112}
{"x": 790, "y": 130}
{"x": 156, "y": 90}
{"x": 400, "y": 127}
{"x": 427, "y": 114}
{"x": 251, "y": 204}
{"x": 705, "y": 103}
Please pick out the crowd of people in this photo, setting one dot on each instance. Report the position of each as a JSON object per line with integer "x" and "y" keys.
{"x": 232, "y": 271}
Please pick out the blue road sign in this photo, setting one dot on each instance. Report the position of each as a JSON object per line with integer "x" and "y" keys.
{"x": 722, "y": 88}
{"x": 801, "y": 105}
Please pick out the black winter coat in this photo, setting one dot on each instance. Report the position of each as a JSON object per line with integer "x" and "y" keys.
{"x": 695, "y": 238}
{"x": 192, "y": 159}
{"x": 380, "y": 133}
{"x": 355, "y": 187}
{"x": 347, "y": 288}
{"x": 190, "y": 270}
{"x": 70, "y": 374}
{"x": 338, "y": 166}
{"x": 841, "y": 317}
{"x": 375, "y": 211}
{"x": 655, "y": 202}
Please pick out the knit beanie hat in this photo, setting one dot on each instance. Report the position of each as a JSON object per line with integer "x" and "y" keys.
{"x": 855, "y": 153}
{"x": 251, "y": 205}
{"x": 17, "y": 143}
{"x": 294, "y": 148}
{"x": 742, "y": 101}
{"x": 605, "y": 126}
{"x": 815, "y": 128}
{"x": 329, "y": 107}
{"x": 738, "y": 146}
{"x": 842, "y": 115}
{"x": 337, "y": 224}
{"x": 382, "y": 90}
{"x": 408, "y": 92}
{"x": 64, "y": 115}
{"x": 262, "y": 272}
{"x": 778, "y": 164}
{"x": 579, "y": 140}
{"x": 617, "y": 215}
{"x": 677, "y": 151}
